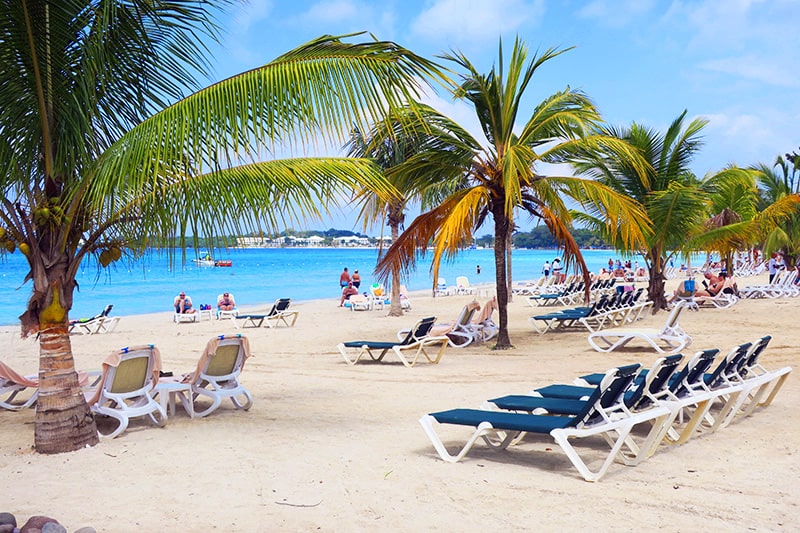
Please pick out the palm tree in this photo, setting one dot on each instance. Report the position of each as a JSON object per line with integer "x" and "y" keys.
{"x": 666, "y": 189}
{"x": 390, "y": 144}
{"x": 781, "y": 181}
{"x": 501, "y": 176}
{"x": 101, "y": 153}
{"x": 735, "y": 221}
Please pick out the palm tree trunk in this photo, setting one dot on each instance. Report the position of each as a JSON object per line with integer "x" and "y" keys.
{"x": 510, "y": 279}
{"x": 64, "y": 422}
{"x": 501, "y": 230}
{"x": 655, "y": 288}
{"x": 396, "y": 309}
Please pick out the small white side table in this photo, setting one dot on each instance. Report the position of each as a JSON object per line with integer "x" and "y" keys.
{"x": 205, "y": 314}
{"x": 167, "y": 391}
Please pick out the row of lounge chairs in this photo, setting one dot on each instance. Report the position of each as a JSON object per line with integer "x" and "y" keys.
{"x": 427, "y": 334}
{"x": 676, "y": 403}
{"x": 607, "y": 311}
{"x": 569, "y": 293}
{"x": 784, "y": 284}
{"x": 130, "y": 382}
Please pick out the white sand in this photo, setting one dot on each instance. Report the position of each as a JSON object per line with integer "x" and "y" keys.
{"x": 332, "y": 447}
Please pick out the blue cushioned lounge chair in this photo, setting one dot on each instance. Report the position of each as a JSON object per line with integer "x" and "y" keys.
{"x": 593, "y": 419}
{"x": 417, "y": 340}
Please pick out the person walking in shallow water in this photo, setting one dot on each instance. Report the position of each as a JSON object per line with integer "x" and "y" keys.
{"x": 356, "y": 279}
{"x": 344, "y": 278}
{"x": 546, "y": 269}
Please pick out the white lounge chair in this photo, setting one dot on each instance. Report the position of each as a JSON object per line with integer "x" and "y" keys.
{"x": 100, "y": 323}
{"x": 217, "y": 373}
{"x": 358, "y": 302}
{"x": 416, "y": 340}
{"x": 463, "y": 286}
{"x": 11, "y": 384}
{"x": 671, "y": 334}
{"x": 592, "y": 419}
{"x": 125, "y": 387}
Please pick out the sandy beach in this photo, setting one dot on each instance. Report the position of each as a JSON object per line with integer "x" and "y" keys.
{"x": 332, "y": 447}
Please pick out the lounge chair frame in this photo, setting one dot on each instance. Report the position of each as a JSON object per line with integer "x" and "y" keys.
{"x": 125, "y": 390}
{"x": 219, "y": 377}
{"x": 593, "y": 421}
{"x": 671, "y": 335}
{"x": 417, "y": 341}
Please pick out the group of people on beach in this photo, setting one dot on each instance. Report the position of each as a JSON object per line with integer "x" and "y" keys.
{"x": 183, "y": 303}
{"x": 554, "y": 270}
{"x": 712, "y": 285}
{"x": 349, "y": 285}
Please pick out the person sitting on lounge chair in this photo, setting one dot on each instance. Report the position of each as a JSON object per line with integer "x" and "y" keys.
{"x": 183, "y": 304}
{"x": 684, "y": 291}
{"x": 347, "y": 292}
{"x": 713, "y": 285}
{"x": 226, "y": 303}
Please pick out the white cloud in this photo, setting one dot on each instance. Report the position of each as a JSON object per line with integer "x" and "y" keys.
{"x": 751, "y": 137}
{"x": 765, "y": 70}
{"x": 459, "y": 22}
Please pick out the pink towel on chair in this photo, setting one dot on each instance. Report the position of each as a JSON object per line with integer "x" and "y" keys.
{"x": 211, "y": 349}
{"x": 8, "y": 374}
{"x": 114, "y": 359}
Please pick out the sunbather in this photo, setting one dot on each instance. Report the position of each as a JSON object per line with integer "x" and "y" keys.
{"x": 347, "y": 292}
{"x": 183, "y": 304}
{"x": 226, "y": 303}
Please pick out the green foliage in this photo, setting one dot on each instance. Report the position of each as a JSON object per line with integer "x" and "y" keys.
{"x": 540, "y": 237}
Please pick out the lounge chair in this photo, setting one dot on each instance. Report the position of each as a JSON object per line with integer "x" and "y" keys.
{"x": 405, "y": 302}
{"x": 463, "y": 286}
{"x": 125, "y": 387}
{"x": 194, "y": 316}
{"x": 280, "y": 312}
{"x": 441, "y": 288}
{"x": 417, "y": 340}
{"x": 671, "y": 334}
{"x": 100, "y": 323}
{"x": 722, "y": 300}
{"x": 358, "y": 302}
{"x": 756, "y": 381}
{"x": 12, "y": 384}
{"x": 590, "y": 421}
{"x": 217, "y": 374}
{"x": 461, "y": 331}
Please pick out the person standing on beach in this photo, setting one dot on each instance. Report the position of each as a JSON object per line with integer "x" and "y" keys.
{"x": 356, "y": 279}
{"x": 557, "y": 269}
{"x": 774, "y": 265}
{"x": 344, "y": 278}
{"x": 546, "y": 269}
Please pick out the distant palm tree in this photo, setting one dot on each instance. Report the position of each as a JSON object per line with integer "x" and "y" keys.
{"x": 101, "y": 153}
{"x": 498, "y": 175}
{"x": 390, "y": 144}
{"x": 776, "y": 183}
{"x": 666, "y": 189}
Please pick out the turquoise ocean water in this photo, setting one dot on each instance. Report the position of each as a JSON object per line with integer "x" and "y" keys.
{"x": 257, "y": 277}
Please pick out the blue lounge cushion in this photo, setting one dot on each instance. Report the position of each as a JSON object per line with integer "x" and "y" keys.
{"x": 502, "y": 420}
{"x": 554, "y": 406}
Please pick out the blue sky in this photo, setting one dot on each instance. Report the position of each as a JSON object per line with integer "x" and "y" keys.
{"x": 733, "y": 62}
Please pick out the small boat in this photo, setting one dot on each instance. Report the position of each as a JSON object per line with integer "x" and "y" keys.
{"x": 205, "y": 259}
